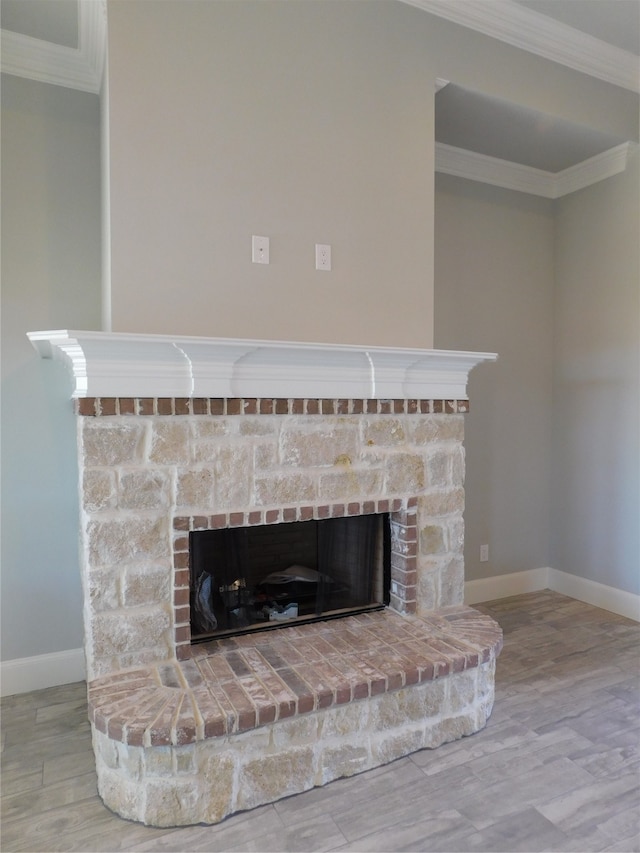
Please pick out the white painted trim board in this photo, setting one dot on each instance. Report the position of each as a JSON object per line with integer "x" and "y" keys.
{"x": 597, "y": 594}
{"x": 515, "y": 176}
{"x": 38, "y": 671}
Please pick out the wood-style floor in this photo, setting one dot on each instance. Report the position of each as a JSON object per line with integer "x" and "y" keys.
{"x": 557, "y": 767}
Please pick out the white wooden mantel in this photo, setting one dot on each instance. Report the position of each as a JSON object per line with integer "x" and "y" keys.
{"x": 107, "y": 364}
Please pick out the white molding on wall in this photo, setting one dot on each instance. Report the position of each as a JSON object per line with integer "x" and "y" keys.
{"x": 597, "y": 594}
{"x": 106, "y": 364}
{"x": 34, "y": 673}
{"x": 605, "y": 165}
{"x": 491, "y": 170}
{"x": 501, "y": 19}
{"x": 539, "y": 34}
{"x": 503, "y": 586}
{"x": 75, "y": 68}
{"x": 514, "y": 176}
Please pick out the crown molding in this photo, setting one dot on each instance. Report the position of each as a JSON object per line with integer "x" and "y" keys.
{"x": 81, "y": 68}
{"x": 491, "y": 170}
{"x": 595, "y": 169}
{"x": 526, "y": 179}
{"x": 75, "y": 68}
{"x": 536, "y": 33}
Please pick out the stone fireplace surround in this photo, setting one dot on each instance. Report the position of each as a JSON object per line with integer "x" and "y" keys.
{"x": 187, "y": 734}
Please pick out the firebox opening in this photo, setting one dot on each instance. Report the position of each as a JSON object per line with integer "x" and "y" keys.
{"x": 261, "y": 577}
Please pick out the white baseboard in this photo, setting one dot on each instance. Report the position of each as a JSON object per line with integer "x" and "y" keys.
{"x": 598, "y": 594}
{"x": 608, "y": 597}
{"x": 33, "y": 673}
{"x": 502, "y": 586}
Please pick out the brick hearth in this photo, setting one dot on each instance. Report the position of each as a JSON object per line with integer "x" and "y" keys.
{"x": 234, "y": 685}
{"x": 255, "y": 718}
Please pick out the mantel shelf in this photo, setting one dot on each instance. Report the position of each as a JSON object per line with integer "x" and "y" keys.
{"x": 106, "y": 364}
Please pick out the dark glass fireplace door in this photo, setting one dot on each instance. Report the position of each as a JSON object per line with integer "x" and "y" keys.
{"x": 252, "y": 578}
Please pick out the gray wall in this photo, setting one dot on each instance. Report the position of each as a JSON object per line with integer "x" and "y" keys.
{"x": 494, "y": 266}
{"x": 595, "y": 485}
{"x": 304, "y": 122}
{"x": 50, "y": 279}
{"x": 553, "y": 435}
{"x": 499, "y": 261}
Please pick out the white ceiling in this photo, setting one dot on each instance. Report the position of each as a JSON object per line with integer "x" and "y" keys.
{"x": 55, "y": 21}
{"x": 498, "y": 128}
{"x": 66, "y": 38}
{"x": 615, "y": 22}
{"x": 482, "y": 124}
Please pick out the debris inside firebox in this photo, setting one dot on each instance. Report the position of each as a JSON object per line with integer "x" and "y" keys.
{"x": 303, "y": 574}
{"x": 203, "y": 603}
{"x": 281, "y": 614}
{"x": 291, "y": 590}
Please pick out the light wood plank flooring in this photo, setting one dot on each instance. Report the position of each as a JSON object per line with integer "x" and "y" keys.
{"x": 557, "y": 767}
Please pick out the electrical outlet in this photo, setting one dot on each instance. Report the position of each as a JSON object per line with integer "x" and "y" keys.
{"x": 323, "y": 257}
{"x": 484, "y": 553}
{"x": 260, "y": 250}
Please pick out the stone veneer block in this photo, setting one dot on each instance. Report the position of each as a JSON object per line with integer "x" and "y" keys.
{"x": 140, "y": 788}
{"x": 141, "y": 471}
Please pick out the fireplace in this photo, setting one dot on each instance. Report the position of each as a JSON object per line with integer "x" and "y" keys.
{"x": 188, "y": 442}
{"x": 268, "y": 576}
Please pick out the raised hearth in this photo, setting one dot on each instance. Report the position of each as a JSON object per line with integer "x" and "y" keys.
{"x": 182, "y": 435}
{"x": 273, "y": 715}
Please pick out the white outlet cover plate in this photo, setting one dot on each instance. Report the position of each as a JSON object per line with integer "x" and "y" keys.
{"x": 260, "y": 250}
{"x": 323, "y": 257}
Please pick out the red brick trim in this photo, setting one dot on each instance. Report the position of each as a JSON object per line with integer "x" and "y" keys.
{"x": 404, "y": 544}
{"x": 109, "y": 406}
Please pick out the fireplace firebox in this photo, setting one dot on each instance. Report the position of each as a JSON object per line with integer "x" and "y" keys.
{"x": 247, "y": 579}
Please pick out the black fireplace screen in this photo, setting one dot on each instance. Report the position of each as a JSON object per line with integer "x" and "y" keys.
{"x": 251, "y": 578}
